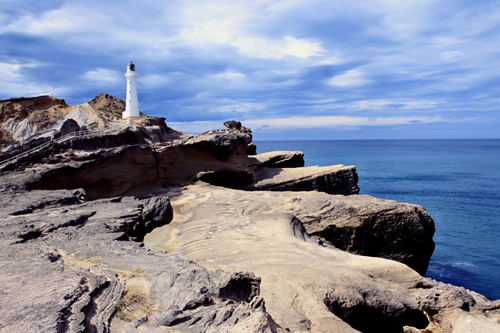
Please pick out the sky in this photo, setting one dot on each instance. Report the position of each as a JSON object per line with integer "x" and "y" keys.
{"x": 288, "y": 70}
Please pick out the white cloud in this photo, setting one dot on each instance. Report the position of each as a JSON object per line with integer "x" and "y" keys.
{"x": 278, "y": 48}
{"x": 331, "y": 121}
{"x": 67, "y": 20}
{"x": 384, "y": 104}
{"x": 228, "y": 76}
{"x": 16, "y": 84}
{"x": 351, "y": 78}
{"x": 104, "y": 76}
{"x": 243, "y": 107}
{"x": 230, "y": 23}
{"x": 153, "y": 80}
{"x": 288, "y": 123}
{"x": 405, "y": 20}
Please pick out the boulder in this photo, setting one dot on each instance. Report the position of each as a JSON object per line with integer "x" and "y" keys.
{"x": 156, "y": 212}
{"x": 335, "y": 179}
{"x": 231, "y": 124}
{"x": 252, "y": 149}
{"x": 373, "y": 307}
{"x": 279, "y": 159}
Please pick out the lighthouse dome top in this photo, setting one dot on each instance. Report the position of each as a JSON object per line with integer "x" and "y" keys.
{"x": 131, "y": 66}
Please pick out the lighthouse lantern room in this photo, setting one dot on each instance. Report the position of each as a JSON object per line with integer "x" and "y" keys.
{"x": 131, "y": 103}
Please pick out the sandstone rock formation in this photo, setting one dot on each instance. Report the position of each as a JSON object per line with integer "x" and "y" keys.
{"x": 279, "y": 159}
{"x": 85, "y": 223}
{"x": 24, "y": 118}
{"x": 68, "y": 265}
{"x": 366, "y": 225}
{"x": 252, "y": 149}
{"x": 103, "y": 166}
{"x": 335, "y": 179}
{"x": 309, "y": 287}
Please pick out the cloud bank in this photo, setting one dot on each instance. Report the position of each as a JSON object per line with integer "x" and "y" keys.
{"x": 331, "y": 69}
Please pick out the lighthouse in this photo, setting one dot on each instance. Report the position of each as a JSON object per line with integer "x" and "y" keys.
{"x": 131, "y": 103}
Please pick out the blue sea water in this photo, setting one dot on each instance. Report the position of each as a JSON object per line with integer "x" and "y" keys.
{"x": 456, "y": 181}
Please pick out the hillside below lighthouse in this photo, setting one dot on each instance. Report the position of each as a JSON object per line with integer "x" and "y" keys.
{"x": 132, "y": 104}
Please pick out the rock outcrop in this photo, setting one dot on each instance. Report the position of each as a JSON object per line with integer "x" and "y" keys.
{"x": 104, "y": 167}
{"x": 335, "y": 179}
{"x": 118, "y": 230}
{"x": 309, "y": 287}
{"x": 367, "y": 226}
{"x": 108, "y": 106}
{"x": 23, "y": 118}
{"x": 252, "y": 149}
{"x": 69, "y": 264}
{"x": 279, "y": 159}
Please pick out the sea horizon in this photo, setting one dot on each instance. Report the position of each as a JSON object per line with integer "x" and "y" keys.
{"x": 388, "y": 139}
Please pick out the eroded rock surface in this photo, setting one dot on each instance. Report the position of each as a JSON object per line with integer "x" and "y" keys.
{"x": 366, "y": 225}
{"x": 279, "y": 159}
{"x": 73, "y": 216}
{"x": 69, "y": 264}
{"x": 308, "y": 287}
{"x": 25, "y": 117}
{"x": 104, "y": 166}
{"x": 335, "y": 179}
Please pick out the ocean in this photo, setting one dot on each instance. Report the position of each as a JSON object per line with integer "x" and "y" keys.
{"x": 456, "y": 181}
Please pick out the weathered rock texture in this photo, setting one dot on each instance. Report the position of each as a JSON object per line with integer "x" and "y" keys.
{"x": 23, "y": 118}
{"x": 69, "y": 264}
{"x": 279, "y": 159}
{"x": 335, "y": 179}
{"x": 108, "y": 106}
{"x": 309, "y": 287}
{"x": 367, "y": 226}
{"x": 73, "y": 215}
{"x": 104, "y": 167}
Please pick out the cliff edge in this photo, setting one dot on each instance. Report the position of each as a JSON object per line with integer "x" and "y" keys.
{"x": 108, "y": 227}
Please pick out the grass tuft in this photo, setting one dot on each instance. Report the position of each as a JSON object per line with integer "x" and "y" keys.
{"x": 136, "y": 272}
{"x": 135, "y": 301}
{"x": 134, "y": 304}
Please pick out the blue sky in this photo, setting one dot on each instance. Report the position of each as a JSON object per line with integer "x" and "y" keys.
{"x": 293, "y": 69}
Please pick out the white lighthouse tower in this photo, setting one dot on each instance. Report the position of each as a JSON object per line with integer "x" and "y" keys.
{"x": 131, "y": 103}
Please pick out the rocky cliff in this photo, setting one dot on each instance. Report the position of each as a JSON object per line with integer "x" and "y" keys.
{"x": 145, "y": 228}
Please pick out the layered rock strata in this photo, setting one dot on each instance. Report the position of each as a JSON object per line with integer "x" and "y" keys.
{"x": 279, "y": 159}
{"x": 366, "y": 225}
{"x": 335, "y": 179}
{"x": 308, "y": 287}
{"x": 74, "y": 215}
{"x": 69, "y": 264}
